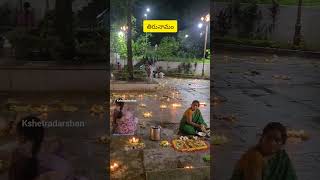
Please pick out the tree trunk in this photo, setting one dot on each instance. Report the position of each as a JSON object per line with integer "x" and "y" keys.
{"x": 297, "y": 34}
{"x": 64, "y": 27}
{"x": 129, "y": 41}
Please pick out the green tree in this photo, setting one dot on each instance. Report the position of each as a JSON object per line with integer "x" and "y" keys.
{"x": 190, "y": 47}
{"x": 141, "y": 45}
{"x": 168, "y": 47}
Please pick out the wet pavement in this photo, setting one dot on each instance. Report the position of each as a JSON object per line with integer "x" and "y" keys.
{"x": 87, "y": 157}
{"x": 261, "y": 89}
{"x": 154, "y": 161}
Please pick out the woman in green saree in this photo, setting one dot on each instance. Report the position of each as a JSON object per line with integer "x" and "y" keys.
{"x": 192, "y": 120}
{"x": 267, "y": 160}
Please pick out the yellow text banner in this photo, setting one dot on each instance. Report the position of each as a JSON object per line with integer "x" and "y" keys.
{"x": 160, "y": 26}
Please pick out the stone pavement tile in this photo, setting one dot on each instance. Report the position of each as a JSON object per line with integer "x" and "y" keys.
{"x": 161, "y": 159}
{"x": 131, "y": 164}
{"x": 202, "y": 173}
{"x": 294, "y": 103}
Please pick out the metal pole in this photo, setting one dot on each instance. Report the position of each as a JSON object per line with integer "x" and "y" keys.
{"x": 205, "y": 47}
{"x": 146, "y": 37}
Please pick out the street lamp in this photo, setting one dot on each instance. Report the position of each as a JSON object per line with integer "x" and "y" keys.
{"x": 146, "y": 15}
{"x": 206, "y": 20}
{"x": 186, "y": 36}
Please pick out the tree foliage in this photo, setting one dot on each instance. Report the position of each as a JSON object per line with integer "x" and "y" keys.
{"x": 168, "y": 47}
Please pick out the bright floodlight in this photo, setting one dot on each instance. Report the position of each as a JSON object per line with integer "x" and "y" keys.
{"x": 201, "y": 34}
{"x": 145, "y": 15}
{"x": 186, "y": 36}
{"x": 148, "y": 9}
{"x": 120, "y": 33}
{"x": 200, "y": 25}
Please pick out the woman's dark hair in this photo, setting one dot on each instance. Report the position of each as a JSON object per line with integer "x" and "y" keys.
{"x": 276, "y": 126}
{"x": 27, "y": 169}
{"x": 196, "y": 101}
{"x": 120, "y": 103}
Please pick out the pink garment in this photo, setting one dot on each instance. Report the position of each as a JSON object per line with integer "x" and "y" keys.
{"x": 126, "y": 125}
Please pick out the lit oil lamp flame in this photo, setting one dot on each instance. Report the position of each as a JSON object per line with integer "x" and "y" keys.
{"x": 188, "y": 167}
{"x": 134, "y": 140}
{"x": 114, "y": 166}
{"x": 175, "y": 105}
{"x": 147, "y": 114}
{"x": 163, "y": 106}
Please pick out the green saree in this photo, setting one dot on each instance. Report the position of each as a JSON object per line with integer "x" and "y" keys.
{"x": 186, "y": 128}
{"x": 252, "y": 167}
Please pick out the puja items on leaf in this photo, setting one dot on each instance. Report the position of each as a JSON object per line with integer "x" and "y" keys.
{"x": 4, "y": 166}
{"x": 142, "y": 105}
{"x": 134, "y": 143}
{"x": 301, "y": 134}
{"x": 165, "y": 143}
{"x": 184, "y": 144}
{"x": 219, "y": 140}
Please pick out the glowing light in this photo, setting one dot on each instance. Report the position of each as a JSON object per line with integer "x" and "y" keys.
{"x": 163, "y": 106}
{"x": 134, "y": 140}
{"x": 147, "y": 114}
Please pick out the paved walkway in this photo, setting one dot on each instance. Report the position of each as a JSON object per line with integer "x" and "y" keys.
{"x": 256, "y": 95}
{"x": 155, "y": 160}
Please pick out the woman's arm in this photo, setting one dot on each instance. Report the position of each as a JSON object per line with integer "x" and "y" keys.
{"x": 189, "y": 120}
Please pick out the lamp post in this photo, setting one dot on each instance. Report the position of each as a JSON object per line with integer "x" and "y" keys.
{"x": 146, "y": 15}
{"x": 123, "y": 32}
{"x": 206, "y": 20}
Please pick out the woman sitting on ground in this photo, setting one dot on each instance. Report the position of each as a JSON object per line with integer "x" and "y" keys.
{"x": 192, "y": 120}
{"x": 267, "y": 160}
{"x": 124, "y": 122}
